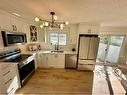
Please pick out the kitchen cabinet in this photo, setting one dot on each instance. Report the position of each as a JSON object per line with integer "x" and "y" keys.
{"x": 73, "y": 34}
{"x": 60, "y": 61}
{"x": 5, "y": 21}
{"x": 35, "y": 59}
{"x": 2, "y": 87}
{"x": 42, "y": 60}
{"x": 18, "y": 23}
{"x": 10, "y": 78}
{"x": 88, "y": 29}
{"x": 51, "y": 60}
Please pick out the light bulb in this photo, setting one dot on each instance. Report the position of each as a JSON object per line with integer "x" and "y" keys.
{"x": 61, "y": 25}
{"x": 66, "y": 23}
{"x": 55, "y": 17}
{"x": 50, "y": 28}
{"x": 36, "y": 19}
{"x": 46, "y": 23}
{"x": 41, "y": 26}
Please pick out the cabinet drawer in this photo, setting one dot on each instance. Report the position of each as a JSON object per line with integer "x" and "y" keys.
{"x": 2, "y": 87}
{"x": 10, "y": 74}
{"x": 6, "y": 67}
{"x": 11, "y": 85}
{"x": 89, "y": 67}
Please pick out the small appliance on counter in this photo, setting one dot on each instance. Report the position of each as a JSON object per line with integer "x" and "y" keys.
{"x": 34, "y": 47}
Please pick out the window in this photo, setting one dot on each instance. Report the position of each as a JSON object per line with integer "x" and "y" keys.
{"x": 58, "y": 38}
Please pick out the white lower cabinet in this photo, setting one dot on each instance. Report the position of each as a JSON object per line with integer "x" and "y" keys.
{"x": 56, "y": 60}
{"x": 51, "y": 60}
{"x": 42, "y": 60}
{"x": 2, "y": 87}
{"x": 10, "y": 78}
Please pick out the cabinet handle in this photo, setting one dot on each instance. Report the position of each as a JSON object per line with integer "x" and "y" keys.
{"x": 8, "y": 81}
{"x": 10, "y": 90}
{"x": 6, "y": 73}
{"x": 89, "y": 30}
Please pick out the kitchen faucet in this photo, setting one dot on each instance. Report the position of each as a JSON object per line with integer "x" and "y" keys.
{"x": 56, "y": 47}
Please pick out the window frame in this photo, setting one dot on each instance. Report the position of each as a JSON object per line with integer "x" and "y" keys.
{"x": 58, "y": 32}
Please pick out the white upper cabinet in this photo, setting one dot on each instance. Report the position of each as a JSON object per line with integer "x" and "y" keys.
{"x": 18, "y": 23}
{"x": 5, "y": 23}
{"x": 73, "y": 34}
{"x": 88, "y": 28}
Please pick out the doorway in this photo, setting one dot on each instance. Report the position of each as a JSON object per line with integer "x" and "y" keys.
{"x": 109, "y": 49}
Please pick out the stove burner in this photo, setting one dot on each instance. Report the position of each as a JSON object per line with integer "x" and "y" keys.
{"x": 19, "y": 58}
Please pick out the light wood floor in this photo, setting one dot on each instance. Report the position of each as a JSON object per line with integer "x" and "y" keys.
{"x": 70, "y": 82}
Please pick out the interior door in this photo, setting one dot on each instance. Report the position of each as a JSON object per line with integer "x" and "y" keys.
{"x": 84, "y": 47}
{"x": 93, "y": 47}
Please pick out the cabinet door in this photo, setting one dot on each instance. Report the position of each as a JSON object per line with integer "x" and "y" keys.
{"x": 60, "y": 61}
{"x": 2, "y": 87}
{"x": 52, "y": 60}
{"x": 93, "y": 48}
{"x": 83, "y": 48}
{"x": 36, "y": 59}
{"x": 95, "y": 29}
{"x": 88, "y": 29}
{"x": 42, "y": 60}
{"x": 39, "y": 60}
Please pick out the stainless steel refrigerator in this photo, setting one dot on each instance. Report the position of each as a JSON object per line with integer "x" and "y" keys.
{"x": 87, "y": 51}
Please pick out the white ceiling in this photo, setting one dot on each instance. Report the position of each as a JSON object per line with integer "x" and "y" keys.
{"x": 106, "y": 12}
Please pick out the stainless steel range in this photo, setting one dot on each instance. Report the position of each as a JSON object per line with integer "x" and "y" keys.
{"x": 26, "y": 63}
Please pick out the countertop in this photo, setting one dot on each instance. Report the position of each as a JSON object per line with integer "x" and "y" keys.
{"x": 48, "y": 52}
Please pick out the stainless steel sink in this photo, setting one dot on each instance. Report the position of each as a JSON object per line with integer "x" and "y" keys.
{"x": 57, "y": 51}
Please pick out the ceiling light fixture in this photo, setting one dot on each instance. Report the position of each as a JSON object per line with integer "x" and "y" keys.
{"x": 51, "y": 24}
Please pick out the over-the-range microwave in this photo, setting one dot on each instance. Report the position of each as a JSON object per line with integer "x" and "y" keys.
{"x": 13, "y": 38}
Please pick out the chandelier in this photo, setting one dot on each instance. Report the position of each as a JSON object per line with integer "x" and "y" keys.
{"x": 51, "y": 24}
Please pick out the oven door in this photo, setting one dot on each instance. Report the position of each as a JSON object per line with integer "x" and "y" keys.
{"x": 26, "y": 71}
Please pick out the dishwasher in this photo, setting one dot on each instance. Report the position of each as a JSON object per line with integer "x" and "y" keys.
{"x": 70, "y": 61}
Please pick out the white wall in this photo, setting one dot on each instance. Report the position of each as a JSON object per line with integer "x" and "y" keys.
{"x": 6, "y": 22}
